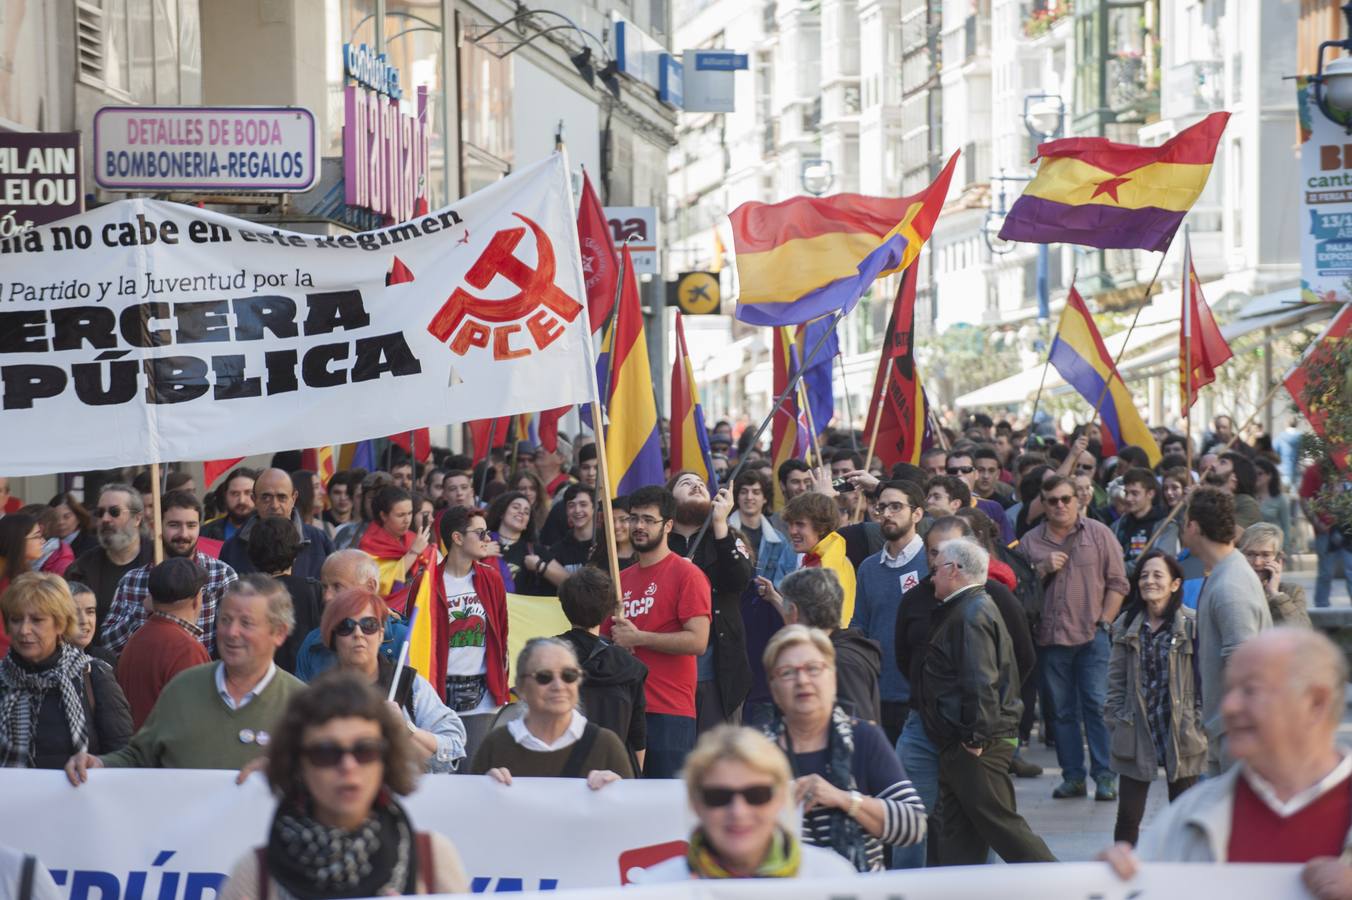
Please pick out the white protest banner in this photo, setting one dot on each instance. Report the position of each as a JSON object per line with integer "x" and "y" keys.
{"x": 176, "y": 834}
{"x": 145, "y": 331}
{"x": 1038, "y": 881}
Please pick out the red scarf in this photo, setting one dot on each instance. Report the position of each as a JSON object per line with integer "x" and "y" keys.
{"x": 379, "y": 543}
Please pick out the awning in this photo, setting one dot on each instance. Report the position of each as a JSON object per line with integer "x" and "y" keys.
{"x": 1279, "y": 310}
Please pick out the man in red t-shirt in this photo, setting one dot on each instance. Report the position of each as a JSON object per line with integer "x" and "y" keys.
{"x": 665, "y": 622}
{"x": 1288, "y": 799}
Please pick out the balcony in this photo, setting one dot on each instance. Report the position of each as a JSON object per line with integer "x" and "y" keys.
{"x": 1133, "y": 89}
{"x": 1039, "y": 18}
{"x": 976, "y": 38}
{"x": 1194, "y": 88}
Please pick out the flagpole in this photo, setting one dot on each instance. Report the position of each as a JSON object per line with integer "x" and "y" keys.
{"x": 156, "y": 523}
{"x": 849, "y": 414}
{"x": 765, "y": 423}
{"x": 879, "y": 391}
{"x": 1145, "y": 301}
{"x": 1187, "y": 342}
{"x": 488, "y": 455}
{"x": 1037, "y": 400}
{"x": 811, "y": 426}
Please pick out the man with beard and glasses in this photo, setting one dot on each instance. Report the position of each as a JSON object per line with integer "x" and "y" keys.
{"x": 120, "y": 549}
{"x": 664, "y": 620}
{"x": 181, "y": 515}
{"x": 723, "y": 557}
{"x": 275, "y": 495}
{"x": 882, "y": 580}
{"x": 237, "y": 496}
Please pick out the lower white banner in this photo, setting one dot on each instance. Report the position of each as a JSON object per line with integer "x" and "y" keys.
{"x": 174, "y": 834}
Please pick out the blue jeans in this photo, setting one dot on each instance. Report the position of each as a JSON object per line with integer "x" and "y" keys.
{"x": 670, "y": 738}
{"x": 1328, "y": 556}
{"x": 1077, "y": 679}
{"x": 920, "y": 759}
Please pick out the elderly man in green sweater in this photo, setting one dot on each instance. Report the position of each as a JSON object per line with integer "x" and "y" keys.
{"x": 219, "y": 715}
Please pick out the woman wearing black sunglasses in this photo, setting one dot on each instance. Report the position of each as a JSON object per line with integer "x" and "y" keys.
{"x": 553, "y": 739}
{"x": 738, "y": 783}
{"x": 337, "y": 761}
{"x": 353, "y": 626}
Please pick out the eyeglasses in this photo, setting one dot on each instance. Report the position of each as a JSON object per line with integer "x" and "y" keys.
{"x": 544, "y": 678}
{"x": 891, "y": 509}
{"x": 1263, "y": 555}
{"x": 368, "y": 625}
{"x": 480, "y": 533}
{"x": 328, "y": 756}
{"x": 1085, "y": 467}
{"x": 646, "y": 521}
{"x": 112, "y": 511}
{"x": 755, "y": 795}
{"x": 961, "y": 470}
{"x": 812, "y": 670}
{"x": 1059, "y": 500}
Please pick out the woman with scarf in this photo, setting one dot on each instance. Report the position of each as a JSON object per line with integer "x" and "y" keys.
{"x": 55, "y": 700}
{"x": 510, "y": 524}
{"x": 855, "y": 794}
{"x": 353, "y": 626}
{"x": 337, "y": 762}
{"x": 739, "y": 786}
{"x": 392, "y": 540}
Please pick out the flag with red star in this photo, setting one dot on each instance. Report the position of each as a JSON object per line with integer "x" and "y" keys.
{"x": 1100, "y": 193}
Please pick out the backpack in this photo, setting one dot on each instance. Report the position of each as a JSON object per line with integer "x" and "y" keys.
{"x": 1029, "y": 588}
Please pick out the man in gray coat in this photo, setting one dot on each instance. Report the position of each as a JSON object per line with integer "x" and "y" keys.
{"x": 1231, "y": 608}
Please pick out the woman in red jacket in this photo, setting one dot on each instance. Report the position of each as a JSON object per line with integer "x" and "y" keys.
{"x": 469, "y": 624}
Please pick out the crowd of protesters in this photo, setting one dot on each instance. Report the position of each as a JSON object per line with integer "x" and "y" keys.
{"x": 878, "y": 647}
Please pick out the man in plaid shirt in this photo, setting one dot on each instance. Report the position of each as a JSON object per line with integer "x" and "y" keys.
{"x": 182, "y": 518}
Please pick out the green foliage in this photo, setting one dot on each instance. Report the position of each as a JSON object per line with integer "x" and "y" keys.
{"x": 966, "y": 357}
{"x": 1328, "y": 394}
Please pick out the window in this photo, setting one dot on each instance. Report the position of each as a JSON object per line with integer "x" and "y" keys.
{"x": 146, "y": 51}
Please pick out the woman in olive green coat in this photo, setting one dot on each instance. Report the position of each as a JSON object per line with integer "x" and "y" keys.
{"x": 1153, "y": 710}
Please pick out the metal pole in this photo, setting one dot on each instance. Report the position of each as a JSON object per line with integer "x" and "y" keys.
{"x": 1145, "y": 300}
{"x": 1037, "y": 400}
{"x": 765, "y": 423}
{"x": 849, "y": 415}
{"x": 1044, "y": 304}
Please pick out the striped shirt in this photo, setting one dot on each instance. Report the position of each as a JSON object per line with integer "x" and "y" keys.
{"x": 878, "y": 773}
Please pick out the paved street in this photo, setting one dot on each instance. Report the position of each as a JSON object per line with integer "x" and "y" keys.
{"x": 1076, "y": 830}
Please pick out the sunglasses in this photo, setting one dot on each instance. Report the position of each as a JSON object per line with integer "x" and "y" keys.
{"x": 567, "y": 676}
{"x": 328, "y": 756}
{"x": 1084, "y": 467}
{"x": 480, "y": 533}
{"x": 1064, "y": 500}
{"x": 755, "y": 795}
{"x": 368, "y": 625}
{"x": 961, "y": 470}
{"x": 101, "y": 511}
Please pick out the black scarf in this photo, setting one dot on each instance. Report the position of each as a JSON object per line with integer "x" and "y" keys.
{"x": 846, "y": 837}
{"x": 312, "y": 861}
{"x": 23, "y": 688}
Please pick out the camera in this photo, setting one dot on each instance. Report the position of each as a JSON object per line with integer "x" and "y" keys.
{"x": 841, "y": 485}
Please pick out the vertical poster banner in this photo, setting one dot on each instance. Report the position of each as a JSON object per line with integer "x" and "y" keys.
{"x": 39, "y": 179}
{"x": 1326, "y": 203}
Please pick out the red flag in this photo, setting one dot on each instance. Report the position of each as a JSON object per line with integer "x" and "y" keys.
{"x": 215, "y": 468}
{"x": 398, "y": 273}
{"x": 481, "y": 429}
{"x": 600, "y": 264}
{"x": 903, "y": 428}
{"x": 1298, "y": 377}
{"x": 422, "y": 441}
{"x": 1208, "y": 346}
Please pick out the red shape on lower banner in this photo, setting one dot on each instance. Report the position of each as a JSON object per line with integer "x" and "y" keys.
{"x": 398, "y": 273}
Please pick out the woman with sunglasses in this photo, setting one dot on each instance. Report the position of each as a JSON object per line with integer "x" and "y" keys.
{"x": 353, "y": 626}
{"x": 1154, "y": 709}
{"x": 856, "y": 796}
{"x": 336, "y": 763}
{"x": 553, "y": 739}
{"x": 739, "y": 784}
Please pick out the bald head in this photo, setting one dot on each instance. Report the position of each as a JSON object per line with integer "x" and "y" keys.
{"x": 348, "y": 569}
{"x": 274, "y": 494}
{"x": 1284, "y": 697}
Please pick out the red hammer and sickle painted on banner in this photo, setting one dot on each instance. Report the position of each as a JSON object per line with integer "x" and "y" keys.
{"x": 536, "y": 284}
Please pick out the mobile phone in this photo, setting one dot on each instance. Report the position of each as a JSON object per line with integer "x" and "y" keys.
{"x": 426, "y": 520}
{"x": 841, "y": 485}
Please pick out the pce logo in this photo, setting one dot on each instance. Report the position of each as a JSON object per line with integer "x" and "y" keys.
{"x": 470, "y": 321}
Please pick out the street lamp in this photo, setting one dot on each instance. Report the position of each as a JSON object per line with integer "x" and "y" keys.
{"x": 1333, "y": 83}
{"x": 817, "y": 175}
{"x": 1044, "y": 115}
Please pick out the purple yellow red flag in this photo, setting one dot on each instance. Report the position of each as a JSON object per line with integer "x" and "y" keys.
{"x": 1100, "y": 193}
{"x": 689, "y": 439}
{"x": 808, "y": 257}
{"x": 633, "y": 434}
{"x": 1200, "y": 333}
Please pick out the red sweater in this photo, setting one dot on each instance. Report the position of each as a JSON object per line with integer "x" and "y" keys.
{"x": 1259, "y": 835}
{"x": 159, "y": 650}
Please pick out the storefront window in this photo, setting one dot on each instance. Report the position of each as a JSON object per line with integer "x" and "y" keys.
{"x": 485, "y": 111}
